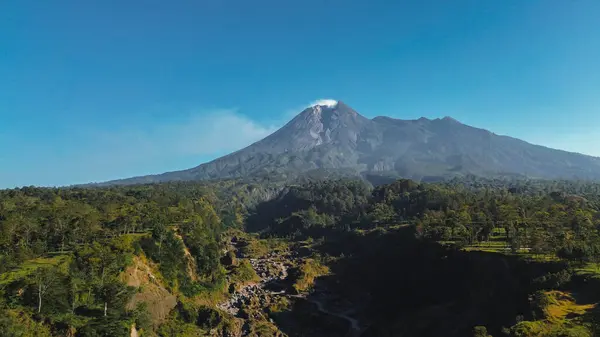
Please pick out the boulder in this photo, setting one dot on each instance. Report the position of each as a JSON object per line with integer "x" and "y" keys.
{"x": 229, "y": 259}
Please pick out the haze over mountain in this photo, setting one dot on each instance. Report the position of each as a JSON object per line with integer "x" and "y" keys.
{"x": 332, "y": 137}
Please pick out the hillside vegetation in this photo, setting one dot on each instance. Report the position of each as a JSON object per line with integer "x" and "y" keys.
{"x": 469, "y": 257}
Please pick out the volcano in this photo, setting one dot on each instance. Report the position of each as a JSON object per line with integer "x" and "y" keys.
{"x": 332, "y": 137}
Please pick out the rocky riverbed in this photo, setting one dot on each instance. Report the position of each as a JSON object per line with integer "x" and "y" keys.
{"x": 273, "y": 270}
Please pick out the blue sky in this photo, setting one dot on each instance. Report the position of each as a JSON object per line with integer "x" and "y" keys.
{"x": 98, "y": 90}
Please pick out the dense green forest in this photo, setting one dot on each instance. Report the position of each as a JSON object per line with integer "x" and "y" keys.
{"x": 63, "y": 252}
{"x": 463, "y": 257}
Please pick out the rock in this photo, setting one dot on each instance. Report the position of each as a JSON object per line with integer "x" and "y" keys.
{"x": 229, "y": 259}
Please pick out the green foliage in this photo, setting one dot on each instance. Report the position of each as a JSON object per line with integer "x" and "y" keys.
{"x": 304, "y": 275}
{"x": 480, "y": 331}
{"x": 168, "y": 251}
{"x": 209, "y": 318}
{"x": 200, "y": 234}
{"x": 15, "y": 323}
{"x": 280, "y": 305}
{"x": 260, "y": 247}
{"x": 174, "y": 328}
{"x": 105, "y": 327}
{"x": 28, "y": 267}
{"x": 142, "y": 318}
{"x": 538, "y": 328}
{"x": 555, "y": 280}
{"x": 317, "y": 204}
{"x": 244, "y": 272}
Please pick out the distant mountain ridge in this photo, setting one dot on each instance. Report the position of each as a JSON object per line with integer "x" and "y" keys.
{"x": 333, "y": 137}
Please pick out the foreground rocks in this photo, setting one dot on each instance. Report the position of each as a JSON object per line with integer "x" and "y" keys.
{"x": 273, "y": 274}
{"x": 253, "y": 302}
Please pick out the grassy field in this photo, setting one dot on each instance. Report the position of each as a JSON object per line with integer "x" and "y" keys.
{"x": 562, "y": 316}
{"x": 589, "y": 270}
{"x": 498, "y": 244}
{"x": 28, "y": 267}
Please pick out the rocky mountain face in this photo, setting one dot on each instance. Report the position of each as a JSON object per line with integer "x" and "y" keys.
{"x": 335, "y": 138}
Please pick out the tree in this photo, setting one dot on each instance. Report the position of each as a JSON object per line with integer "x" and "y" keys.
{"x": 114, "y": 294}
{"x": 44, "y": 278}
{"x": 382, "y": 213}
{"x": 76, "y": 285}
{"x": 159, "y": 234}
{"x": 480, "y": 331}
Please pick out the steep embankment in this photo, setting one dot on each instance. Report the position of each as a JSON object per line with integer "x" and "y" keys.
{"x": 192, "y": 268}
{"x": 159, "y": 300}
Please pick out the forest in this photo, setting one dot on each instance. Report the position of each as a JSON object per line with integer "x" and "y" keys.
{"x": 464, "y": 257}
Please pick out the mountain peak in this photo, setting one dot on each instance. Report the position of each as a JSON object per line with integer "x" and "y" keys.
{"x": 450, "y": 119}
{"x": 330, "y": 103}
{"x": 328, "y": 107}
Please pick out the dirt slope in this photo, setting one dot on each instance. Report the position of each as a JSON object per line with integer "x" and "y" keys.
{"x": 159, "y": 300}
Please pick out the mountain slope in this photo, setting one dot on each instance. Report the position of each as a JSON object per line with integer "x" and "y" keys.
{"x": 335, "y": 138}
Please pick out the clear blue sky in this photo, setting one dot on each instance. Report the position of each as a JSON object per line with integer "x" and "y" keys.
{"x": 98, "y": 90}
